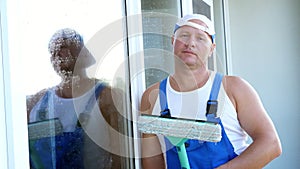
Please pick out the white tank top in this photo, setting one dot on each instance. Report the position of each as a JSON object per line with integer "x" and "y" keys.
{"x": 192, "y": 105}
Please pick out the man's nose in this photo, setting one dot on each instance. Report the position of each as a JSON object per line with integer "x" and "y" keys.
{"x": 64, "y": 52}
{"x": 191, "y": 42}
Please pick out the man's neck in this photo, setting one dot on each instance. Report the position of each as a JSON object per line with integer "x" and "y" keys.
{"x": 74, "y": 86}
{"x": 189, "y": 80}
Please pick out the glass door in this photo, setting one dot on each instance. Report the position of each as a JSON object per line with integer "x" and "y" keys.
{"x": 42, "y": 35}
{"x": 155, "y": 22}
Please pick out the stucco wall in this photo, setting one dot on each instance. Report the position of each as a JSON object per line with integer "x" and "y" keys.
{"x": 265, "y": 45}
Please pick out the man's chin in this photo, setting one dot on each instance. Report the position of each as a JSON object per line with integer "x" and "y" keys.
{"x": 65, "y": 73}
{"x": 190, "y": 61}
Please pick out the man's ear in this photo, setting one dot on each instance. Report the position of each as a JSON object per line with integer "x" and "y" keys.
{"x": 212, "y": 48}
{"x": 172, "y": 39}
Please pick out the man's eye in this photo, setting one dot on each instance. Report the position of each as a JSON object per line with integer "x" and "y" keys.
{"x": 184, "y": 35}
{"x": 201, "y": 38}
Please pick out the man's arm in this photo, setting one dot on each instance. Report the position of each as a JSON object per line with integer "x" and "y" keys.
{"x": 32, "y": 100}
{"x": 255, "y": 121}
{"x": 152, "y": 156}
{"x": 111, "y": 105}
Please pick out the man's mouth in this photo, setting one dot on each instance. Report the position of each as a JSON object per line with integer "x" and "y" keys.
{"x": 189, "y": 52}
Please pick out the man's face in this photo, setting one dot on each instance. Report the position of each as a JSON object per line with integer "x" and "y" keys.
{"x": 192, "y": 46}
{"x": 64, "y": 59}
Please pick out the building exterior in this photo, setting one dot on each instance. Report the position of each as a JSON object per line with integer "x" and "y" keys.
{"x": 258, "y": 40}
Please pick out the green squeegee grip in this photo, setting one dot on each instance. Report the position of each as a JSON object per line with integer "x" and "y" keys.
{"x": 181, "y": 151}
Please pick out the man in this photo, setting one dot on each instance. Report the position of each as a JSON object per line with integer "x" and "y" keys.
{"x": 240, "y": 110}
{"x": 80, "y": 111}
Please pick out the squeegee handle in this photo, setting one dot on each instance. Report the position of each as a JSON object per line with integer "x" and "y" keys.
{"x": 184, "y": 162}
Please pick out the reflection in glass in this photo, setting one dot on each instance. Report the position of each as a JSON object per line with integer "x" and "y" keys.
{"x": 74, "y": 124}
{"x": 76, "y": 114}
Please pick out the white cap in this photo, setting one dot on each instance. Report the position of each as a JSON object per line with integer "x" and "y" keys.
{"x": 184, "y": 21}
{"x": 65, "y": 36}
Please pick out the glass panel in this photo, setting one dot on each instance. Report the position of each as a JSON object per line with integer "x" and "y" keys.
{"x": 74, "y": 55}
{"x": 222, "y": 49}
{"x": 159, "y": 18}
{"x": 201, "y": 7}
{"x": 217, "y": 62}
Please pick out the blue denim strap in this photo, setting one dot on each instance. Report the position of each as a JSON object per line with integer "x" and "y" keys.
{"x": 216, "y": 87}
{"x": 99, "y": 87}
{"x": 212, "y": 103}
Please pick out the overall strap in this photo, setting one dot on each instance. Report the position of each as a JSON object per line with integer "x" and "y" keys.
{"x": 98, "y": 88}
{"x": 165, "y": 112}
{"x": 212, "y": 103}
{"x": 44, "y": 107}
{"x": 216, "y": 87}
{"x": 85, "y": 115}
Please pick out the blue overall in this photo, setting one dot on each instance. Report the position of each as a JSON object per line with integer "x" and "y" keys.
{"x": 201, "y": 154}
{"x": 64, "y": 151}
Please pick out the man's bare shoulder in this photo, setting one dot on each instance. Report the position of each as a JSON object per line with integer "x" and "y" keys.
{"x": 151, "y": 88}
{"x": 240, "y": 91}
{"x": 149, "y": 97}
{"x": 234, "y": 84}
{"x": 31, "y": 100}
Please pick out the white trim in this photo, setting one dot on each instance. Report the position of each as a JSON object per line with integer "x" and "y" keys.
{"x": 208, "y": 2}
{"x": 14, "y": 97}
{"x": 227, "y": 39}
{"x": 187, "y": 7}
{"x": 136, "y": 68}
{"x": 179, "y": 7}
{"x": 3, "y": 53}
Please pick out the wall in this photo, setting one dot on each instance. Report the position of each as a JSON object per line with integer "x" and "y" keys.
{"x": 265, "y": 38}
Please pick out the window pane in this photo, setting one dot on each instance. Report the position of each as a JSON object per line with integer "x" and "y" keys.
{"x": 202, "y": 7}
{"x": 75, "y": 83}
{"x": 159, "y": 18}
{"x": 205, "y": 7}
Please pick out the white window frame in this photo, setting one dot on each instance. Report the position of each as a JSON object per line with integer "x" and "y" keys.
{"x": 3, "y": 61}
{"x": 187, "y": 7}
{"x": 136, "y": 66}
{"x": 14, "y": 142}
{"x": 227, "y": 40}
